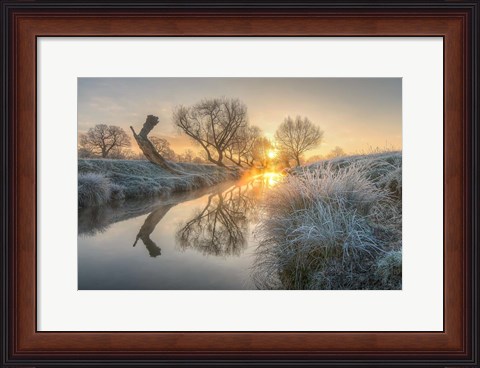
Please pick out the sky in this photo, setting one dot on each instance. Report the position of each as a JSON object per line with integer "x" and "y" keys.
{"x": 356, "y": 114}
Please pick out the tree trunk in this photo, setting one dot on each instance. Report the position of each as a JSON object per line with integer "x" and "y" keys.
{"x": 297, "y": 158}
{"x": 216, "y": 162}
{"x": 148, "y": 148}
{"x": 231, "y": 159}
{"x": 220, "y": 158}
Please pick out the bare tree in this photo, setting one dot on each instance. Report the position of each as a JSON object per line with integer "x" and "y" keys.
{"x": 163, "y": 148}
{"x": 102, "y": 139}
{"x": 284, "y": 160}
{"x": 315, "y": 158}
{"x": 241, "y": 149}
{"x": 120, "y": 153}
{"x": 295, "y": 137}
{"x": 187, "y": 156}
{"x": 336, "y": 152}
{"x": 148, "y": 148}
{"x": 260, "y": 151}
{"x": 213, "y": 123}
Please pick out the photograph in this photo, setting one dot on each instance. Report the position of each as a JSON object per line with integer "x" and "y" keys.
{"x": 236, "y": 183}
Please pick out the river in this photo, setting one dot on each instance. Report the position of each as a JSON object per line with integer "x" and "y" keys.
{"x": 200, "y": 240}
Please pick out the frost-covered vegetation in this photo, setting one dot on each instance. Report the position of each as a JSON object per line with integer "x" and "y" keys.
{"x": 103, "y": 181}
{"x": 334, "y": 224}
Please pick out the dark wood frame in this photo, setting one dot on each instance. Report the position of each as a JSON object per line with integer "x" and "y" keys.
{"x": 456, "y": 21}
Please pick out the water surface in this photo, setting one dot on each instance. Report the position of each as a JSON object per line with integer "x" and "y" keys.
{"x": 200, "y": 240}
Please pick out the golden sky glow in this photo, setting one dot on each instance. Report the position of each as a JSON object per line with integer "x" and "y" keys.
{"x": 356, "y": 114}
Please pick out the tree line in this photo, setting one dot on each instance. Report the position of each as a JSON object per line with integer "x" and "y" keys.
{"x": 221, "y": 129}
{"x": 110, "y": 141}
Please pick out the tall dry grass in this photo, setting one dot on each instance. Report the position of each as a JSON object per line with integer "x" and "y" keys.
{"x": 334, "y": 225}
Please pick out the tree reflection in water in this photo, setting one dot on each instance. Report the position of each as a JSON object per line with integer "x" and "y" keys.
{"x": 220, "y": 228}
{"x": 149, "y": 226}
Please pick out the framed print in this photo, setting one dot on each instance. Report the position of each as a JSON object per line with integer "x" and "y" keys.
{"x": 240, "y": 184}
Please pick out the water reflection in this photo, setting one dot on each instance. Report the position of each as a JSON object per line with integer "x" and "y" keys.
{"x": 197, "y": 240}
{"x": 147, "y": 229}
{"x": 96, "y": 220}
{"x": 220, "y": 228}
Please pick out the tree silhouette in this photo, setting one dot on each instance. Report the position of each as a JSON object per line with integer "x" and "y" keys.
{"x": 148, "y": 148}
{"x": 241, "y": 150}
{"x": 102, "y": 139}
{"x": 213, "y": 123}
{"x": 295, "y": 137}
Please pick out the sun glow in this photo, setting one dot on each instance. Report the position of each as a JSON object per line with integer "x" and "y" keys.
{"x": 272, "y": 154}
{"x": 272, "y": 178}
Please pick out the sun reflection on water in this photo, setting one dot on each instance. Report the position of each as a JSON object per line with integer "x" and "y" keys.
{"x": 272, "y": 178}
{"x": 269, "y": 178}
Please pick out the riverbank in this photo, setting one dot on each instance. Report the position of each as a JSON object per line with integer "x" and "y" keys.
{"x": 107, "y": 181}
{"x": 334, "y": 225}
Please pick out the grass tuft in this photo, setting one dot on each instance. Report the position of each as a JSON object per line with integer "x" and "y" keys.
{"x": 95, "y": 189}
